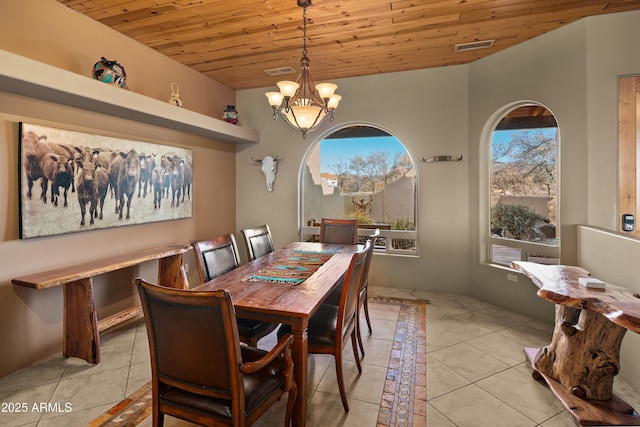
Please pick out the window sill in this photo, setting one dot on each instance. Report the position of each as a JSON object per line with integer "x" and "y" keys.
{"x": 388, "y": 235}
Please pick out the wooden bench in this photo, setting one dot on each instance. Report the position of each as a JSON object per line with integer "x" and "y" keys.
{"x": 583, "y": 358}
{"x": 81, "y": 326}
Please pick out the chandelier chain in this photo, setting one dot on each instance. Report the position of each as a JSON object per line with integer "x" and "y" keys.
{"x": 304, "y": 31}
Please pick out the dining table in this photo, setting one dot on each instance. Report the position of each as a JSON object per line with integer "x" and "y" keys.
{"x": 288, "y": 286}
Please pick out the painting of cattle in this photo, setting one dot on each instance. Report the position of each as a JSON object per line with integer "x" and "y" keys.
{"x": 74, "y": 181}
{"x": 92, "y": 190}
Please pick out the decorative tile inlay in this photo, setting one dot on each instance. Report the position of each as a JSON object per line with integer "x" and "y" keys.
{"x": 130, "y": 412}
{"x": 404, "y": 399}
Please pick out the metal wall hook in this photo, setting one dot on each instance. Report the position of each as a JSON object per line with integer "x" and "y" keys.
{"x": 442, "y": 159}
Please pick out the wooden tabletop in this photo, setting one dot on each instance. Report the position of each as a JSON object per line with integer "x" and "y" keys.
{"x": 559, "y": 284}
{"x": 60, "y": 276}
{"x": 282, "y": 300}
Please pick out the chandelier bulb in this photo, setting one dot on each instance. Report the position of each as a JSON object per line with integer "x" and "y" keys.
{"x": 288, "y": 88}
{"x": 333, "y": 102}
{"x": 326, "y": 90}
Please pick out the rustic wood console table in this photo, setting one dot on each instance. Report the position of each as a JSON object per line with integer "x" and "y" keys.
{"x": 584, "y": 355}
{"x": 81, "y": 326}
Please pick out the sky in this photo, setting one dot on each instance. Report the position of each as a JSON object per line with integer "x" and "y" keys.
{"x": 503, "y": 137}
{"x": 331, "y": 150}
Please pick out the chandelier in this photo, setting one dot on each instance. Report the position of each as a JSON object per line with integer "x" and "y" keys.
{"x": 303, "y": 105}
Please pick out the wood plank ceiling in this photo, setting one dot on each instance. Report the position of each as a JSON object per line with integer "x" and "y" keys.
{"x": 234, "y": 42}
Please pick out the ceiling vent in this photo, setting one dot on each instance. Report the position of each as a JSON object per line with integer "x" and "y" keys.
{"x": 483, "y": 44}
{"x": 280, "y": 71}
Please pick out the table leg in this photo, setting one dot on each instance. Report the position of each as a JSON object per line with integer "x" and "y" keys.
{"x": 300, "y": 355}
{"x": 586, "y": 412}
{"x": 81, "y": 334}
{"x": 171, "y": 273}
{"x": 584, "y": 353}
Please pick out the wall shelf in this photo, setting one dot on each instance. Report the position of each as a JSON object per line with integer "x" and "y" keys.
{"x": 26, "y": 77}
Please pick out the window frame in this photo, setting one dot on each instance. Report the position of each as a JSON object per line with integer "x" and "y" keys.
{"x": 307, "y": 229}
{"x": 487, "y": 240}
{"x": 628, "y": 157}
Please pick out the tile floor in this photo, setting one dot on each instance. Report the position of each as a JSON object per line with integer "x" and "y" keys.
{"x": 476, "y": 374}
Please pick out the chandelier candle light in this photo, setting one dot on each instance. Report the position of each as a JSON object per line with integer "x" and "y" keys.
{"x": 302, "y": 105}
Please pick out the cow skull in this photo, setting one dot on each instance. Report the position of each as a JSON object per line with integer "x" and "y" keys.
{"x": 269, "y": 169}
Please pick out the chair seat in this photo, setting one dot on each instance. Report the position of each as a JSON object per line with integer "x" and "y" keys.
{"x": 322, "y": 326}
{"x": 257, "y": 328}
{"x": 257, "y": 388}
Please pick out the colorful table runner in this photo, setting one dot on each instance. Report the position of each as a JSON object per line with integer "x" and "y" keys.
{"x": 293, "y": 268}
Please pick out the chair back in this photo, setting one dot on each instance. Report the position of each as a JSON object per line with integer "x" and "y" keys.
{"x": 367, "y": 264}
{"x": 193, "y": 341}
{"x": 339, "y": 231}
{"x": 349, "y": 299}
{"x": 216, "y": 257}
{"x": 258, "y": 241}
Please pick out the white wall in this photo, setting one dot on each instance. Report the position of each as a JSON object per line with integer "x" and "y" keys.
{"x": 429, "y": 118}
{"x": 573, "y": 71}
{"x": 612, "y": 43}
{"x": 613, "y": 257}
{"x": 550, "y": 70}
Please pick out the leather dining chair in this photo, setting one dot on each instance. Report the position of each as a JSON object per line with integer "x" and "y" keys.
{"x": 258, "y": 241}
{"x": 199, "y": 370}
{"x": 340, "y": 231}
{"x": 363, "y": 298}
{"x": 331, "y": 326}
{"x": 216, "y": 257}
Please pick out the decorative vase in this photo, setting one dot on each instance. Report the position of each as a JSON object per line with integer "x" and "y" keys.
{"x": 230, "y": 114}
{"x": 110, "y": 72}
{"x": 175, "y": 95}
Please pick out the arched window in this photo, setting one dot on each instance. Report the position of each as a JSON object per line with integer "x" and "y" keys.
{"x": 523, "y": 223}
{"x": 363, "y": 172}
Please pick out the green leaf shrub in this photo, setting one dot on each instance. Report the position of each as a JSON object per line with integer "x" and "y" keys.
{"x": 514, "y": 221}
